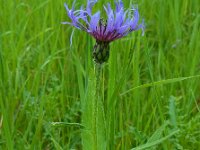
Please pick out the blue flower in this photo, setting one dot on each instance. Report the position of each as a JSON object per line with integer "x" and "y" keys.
{"x": 119, "y": 23}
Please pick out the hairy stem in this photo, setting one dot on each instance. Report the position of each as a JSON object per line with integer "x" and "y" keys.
{"x": 99, "y": 115}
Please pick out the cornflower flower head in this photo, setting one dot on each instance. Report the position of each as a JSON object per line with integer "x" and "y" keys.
{"x": 119, "y": 23}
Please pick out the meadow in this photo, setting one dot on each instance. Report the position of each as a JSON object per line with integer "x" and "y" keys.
{"x": 150, "y": 87}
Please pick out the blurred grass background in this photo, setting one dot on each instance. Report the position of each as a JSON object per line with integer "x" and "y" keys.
{"x": 43, "y": 79}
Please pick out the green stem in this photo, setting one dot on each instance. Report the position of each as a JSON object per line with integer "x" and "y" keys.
{"x": 97, "y": 95}
{"x": 99, "y": 116}
{"x": 98, "y": 68}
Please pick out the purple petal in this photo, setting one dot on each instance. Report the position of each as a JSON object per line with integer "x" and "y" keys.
{"x": 73, "y": 5}
{"x": 119, "y": 19}
{"x": 83, "y": 15}
{"x": 94, "y": 21}
{"x": 90, "y": 4}
{"x": 119, "y": 5}
{"x": 110, "y": 18}
{"x": 125, "y": 14}
{"x": 70, "y": 14}
{"x": 123, "y": 29}
{"x": 136, "y": 19}
{"x": 141, "y": 26}
{"x": 66, "y": 7}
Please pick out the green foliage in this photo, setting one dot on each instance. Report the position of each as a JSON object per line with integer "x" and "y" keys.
{"x": 150, "y": 86}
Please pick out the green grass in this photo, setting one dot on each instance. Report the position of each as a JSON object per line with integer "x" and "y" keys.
{"x": 149, "y": 88}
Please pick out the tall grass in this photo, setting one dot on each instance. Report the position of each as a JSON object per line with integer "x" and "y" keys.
{"x": 149, "y": 88}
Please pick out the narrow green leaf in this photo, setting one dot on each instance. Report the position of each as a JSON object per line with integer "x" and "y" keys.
{"x": 167, "y": 81}
{"x": 154, "y": 143}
